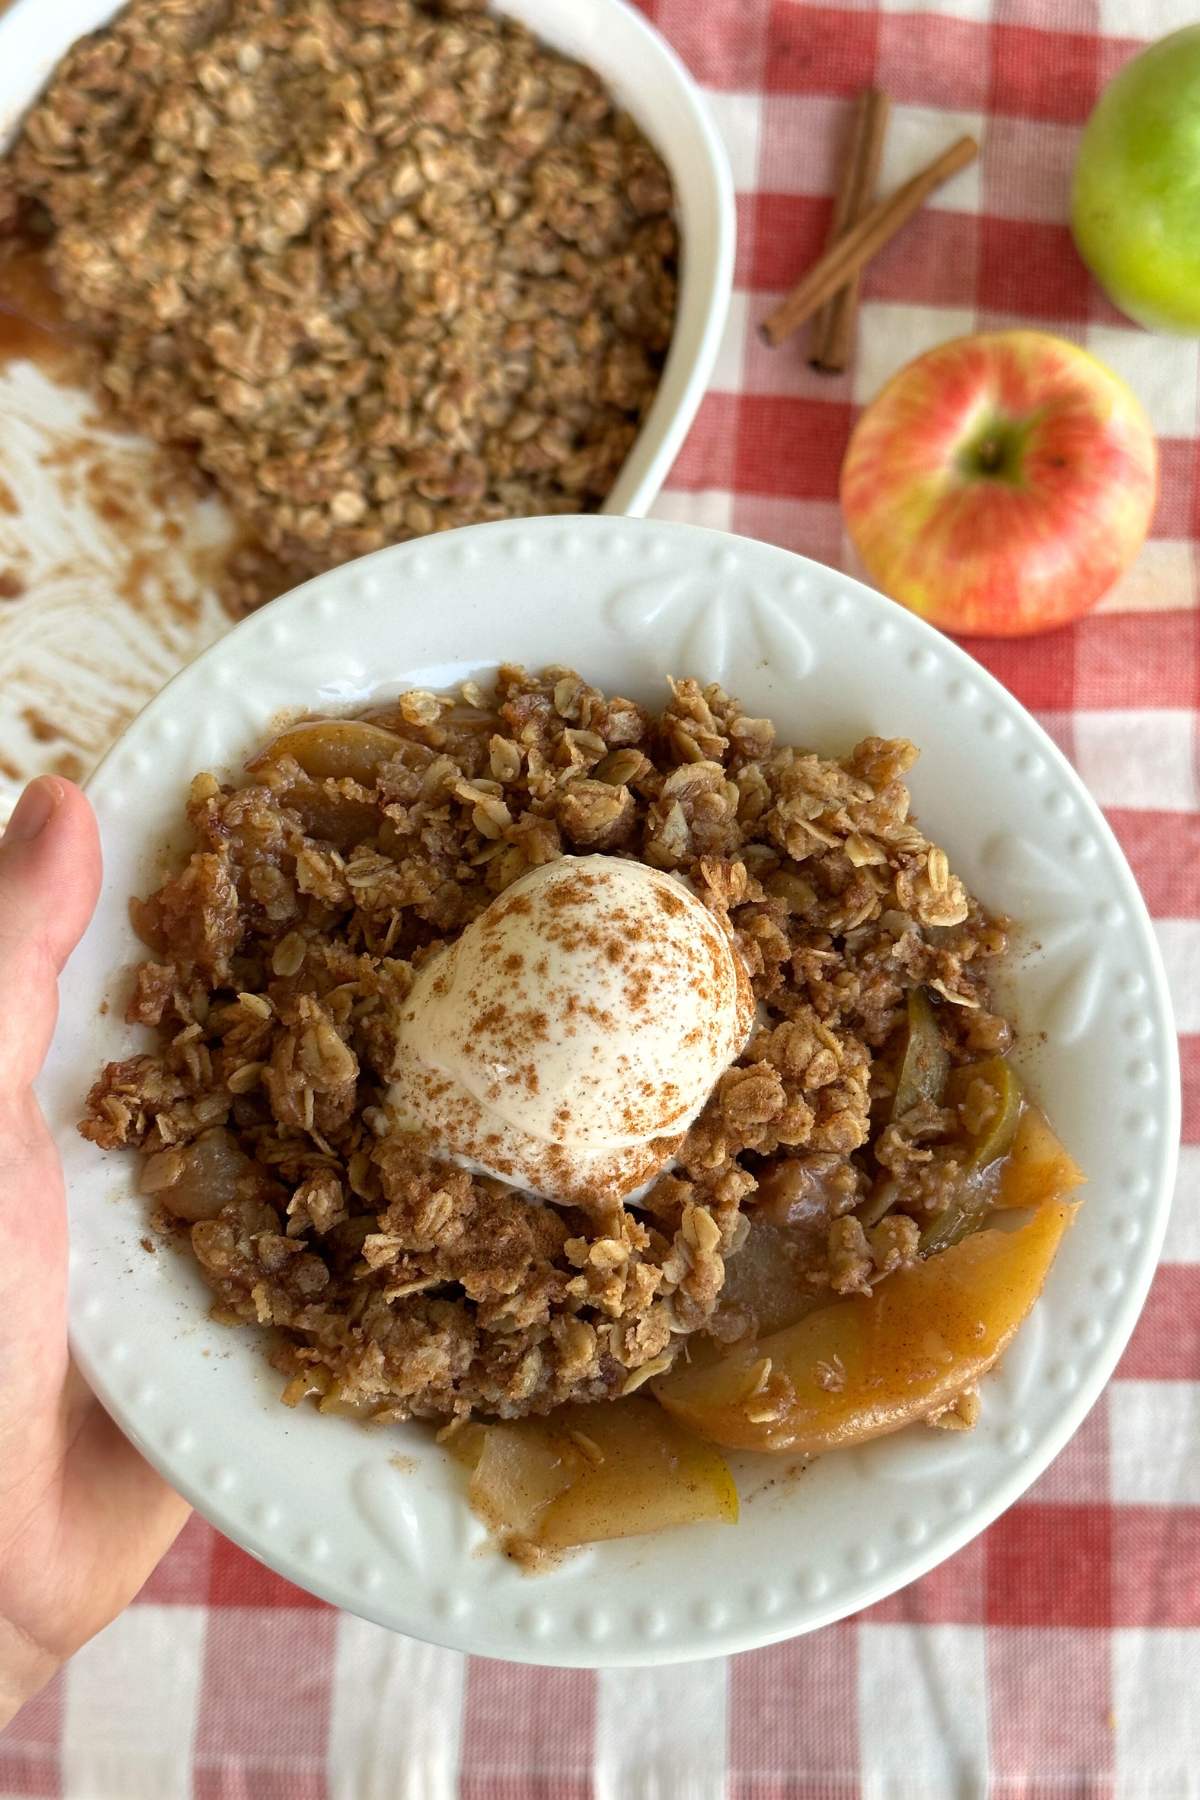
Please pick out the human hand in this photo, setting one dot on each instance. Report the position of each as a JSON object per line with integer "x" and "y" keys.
{"x": 83, "y": 1519}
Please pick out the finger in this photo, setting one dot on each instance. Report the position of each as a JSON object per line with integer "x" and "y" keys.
{"x": 33, "y": 1283}
{"x": 49, "y": 877}
{"x": 118, "y": 1519}
{"x": 49, "y": 867}
{"x": 49, "y": 880}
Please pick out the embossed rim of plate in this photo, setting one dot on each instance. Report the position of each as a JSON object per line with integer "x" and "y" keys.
{"x": 318, "y": 1499}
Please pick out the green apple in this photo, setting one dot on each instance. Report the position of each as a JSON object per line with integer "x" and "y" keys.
{"x": 1135, "y": 209}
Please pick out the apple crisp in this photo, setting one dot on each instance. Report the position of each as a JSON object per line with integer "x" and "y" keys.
{"x": 382, "y": 266}
{"x": 351, "y": 852}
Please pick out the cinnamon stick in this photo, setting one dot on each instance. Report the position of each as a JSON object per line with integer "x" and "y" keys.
{"x": 854, "y": 249}
{"x": 843, "y": 201}
{"x": 834, "y": 324}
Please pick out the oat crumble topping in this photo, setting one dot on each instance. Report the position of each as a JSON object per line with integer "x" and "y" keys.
{"x": 401, "y": 1286}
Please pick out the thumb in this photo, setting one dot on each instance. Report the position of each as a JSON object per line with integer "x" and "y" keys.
{"x": 49, "y": 880}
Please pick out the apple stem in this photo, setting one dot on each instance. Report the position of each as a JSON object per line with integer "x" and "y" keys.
{"x": 989, "y": 456}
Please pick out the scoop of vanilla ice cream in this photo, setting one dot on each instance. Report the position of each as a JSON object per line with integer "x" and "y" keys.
{"x": 568, "y": 1038}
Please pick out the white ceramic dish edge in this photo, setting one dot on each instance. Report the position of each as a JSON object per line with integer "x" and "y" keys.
{"x": 646, "y": 595}
{"x": 651, "y": 81}
{"x": 647, "y": 77}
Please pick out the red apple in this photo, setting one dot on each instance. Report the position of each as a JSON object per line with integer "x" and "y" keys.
{"x": 999, "y": 484}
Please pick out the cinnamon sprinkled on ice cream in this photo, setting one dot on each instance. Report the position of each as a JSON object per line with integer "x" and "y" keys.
{"x": 569, "y": 1037}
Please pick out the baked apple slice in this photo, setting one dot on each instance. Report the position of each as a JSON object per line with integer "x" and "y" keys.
{"x": 1039, "y": 1165}
{"x": 636, "y": 1477}
{"x": 591, "y": 1473}
{"x": 862, "y": 1367}
{"x": 925, "y": 1065}
{"x": 337, "y": 749}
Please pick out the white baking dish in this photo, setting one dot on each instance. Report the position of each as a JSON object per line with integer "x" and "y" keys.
{"x": 86, "y": 646}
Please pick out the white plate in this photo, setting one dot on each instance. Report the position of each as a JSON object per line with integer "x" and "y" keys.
{"x": 93, "y": 639}
{"x": 318, "y": 1498}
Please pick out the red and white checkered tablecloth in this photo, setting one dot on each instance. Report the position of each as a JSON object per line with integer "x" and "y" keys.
{"x": 1058, "y": 1655}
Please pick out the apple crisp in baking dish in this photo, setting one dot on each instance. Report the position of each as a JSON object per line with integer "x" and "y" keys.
{"x": 382, "y": 267}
